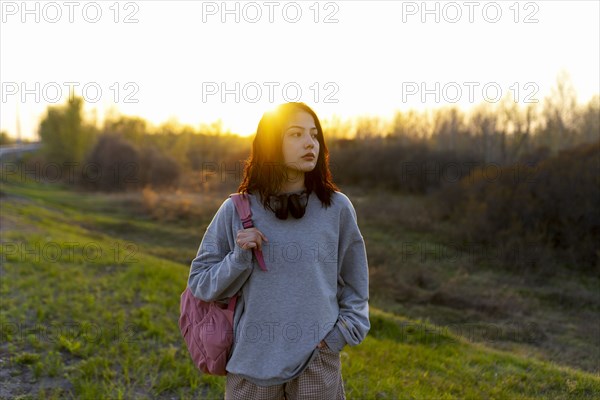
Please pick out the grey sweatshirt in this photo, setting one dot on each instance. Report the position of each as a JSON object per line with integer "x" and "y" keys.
{"x": 316, "y": 286}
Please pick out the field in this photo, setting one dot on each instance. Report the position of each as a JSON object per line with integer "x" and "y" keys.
{"x": 90, "y": 295}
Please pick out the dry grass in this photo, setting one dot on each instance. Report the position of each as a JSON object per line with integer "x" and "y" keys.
{"x": 419, "y": 269}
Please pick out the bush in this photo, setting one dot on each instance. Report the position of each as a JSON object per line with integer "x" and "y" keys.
{"x": 157, "y": 169}
{"x": 391, "y": 164}
{"x": 553, "y": 204}
{"x": 114, "y": 164}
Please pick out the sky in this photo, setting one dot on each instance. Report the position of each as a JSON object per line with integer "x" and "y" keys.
{"x": 200, "y": 61}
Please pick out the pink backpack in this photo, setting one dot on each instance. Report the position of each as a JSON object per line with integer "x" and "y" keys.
{"x": 207, "y": 328}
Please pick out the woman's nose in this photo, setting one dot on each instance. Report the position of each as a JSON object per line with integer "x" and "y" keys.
{"x": 310, "y": 142}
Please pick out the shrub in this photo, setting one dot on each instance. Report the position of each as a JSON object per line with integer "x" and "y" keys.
{"x": 157, "y": 169}
{"x": 111, "y": 165}
{"x": 553, "y": 205}
{"x": 390, "y": 163}
{"x": 114, "y": 164}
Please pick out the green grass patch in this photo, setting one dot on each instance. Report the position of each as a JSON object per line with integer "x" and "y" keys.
{"x": 79, "y": 310}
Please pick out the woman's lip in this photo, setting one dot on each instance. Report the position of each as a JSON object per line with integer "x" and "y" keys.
{"x": 309, "y": 157}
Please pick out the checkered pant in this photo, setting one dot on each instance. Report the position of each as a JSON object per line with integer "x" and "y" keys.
{"x": 321, "y": 380}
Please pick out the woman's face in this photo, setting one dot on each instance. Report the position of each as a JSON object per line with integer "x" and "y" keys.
{"x": 299, "y": 139}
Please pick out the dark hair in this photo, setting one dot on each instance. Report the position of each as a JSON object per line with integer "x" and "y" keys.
{"x": 264, "y": 170}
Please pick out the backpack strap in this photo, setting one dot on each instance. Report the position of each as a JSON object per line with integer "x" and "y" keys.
{"x": 242, "y": 204}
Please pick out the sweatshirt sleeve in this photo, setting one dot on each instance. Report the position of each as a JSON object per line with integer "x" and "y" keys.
{"x": 221, "y": 267}
{"x": 353, "y": 323}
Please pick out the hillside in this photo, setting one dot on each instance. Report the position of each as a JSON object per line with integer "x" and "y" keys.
{"x": 90, "y": 298}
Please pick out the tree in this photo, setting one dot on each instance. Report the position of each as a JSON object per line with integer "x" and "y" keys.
{"x": 589, "y": 121}
{"x": 410, "y": 126}
{"x": 133, "y": 129}
{"x": 448, "y": 123}
{"x": 5, "y": 138}
{"x": 64, "y": 134}
{"x": 560, "y": 113}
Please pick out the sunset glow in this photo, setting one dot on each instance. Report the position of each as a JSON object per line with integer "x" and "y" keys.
{"x": 196, "y": 62}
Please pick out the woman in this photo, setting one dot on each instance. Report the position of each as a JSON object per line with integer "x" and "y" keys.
{"x": 292, "y": 321}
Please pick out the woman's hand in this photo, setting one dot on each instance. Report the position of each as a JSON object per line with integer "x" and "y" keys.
{"x": 250, "y": 238}
{"x": 322, "y": 345}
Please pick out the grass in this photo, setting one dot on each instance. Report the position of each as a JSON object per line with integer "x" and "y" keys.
{"x": 418, "y": 269}
{"x": 90, "y": 301}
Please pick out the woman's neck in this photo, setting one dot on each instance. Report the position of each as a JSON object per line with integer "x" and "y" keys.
{"x": 293, "y": 186}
